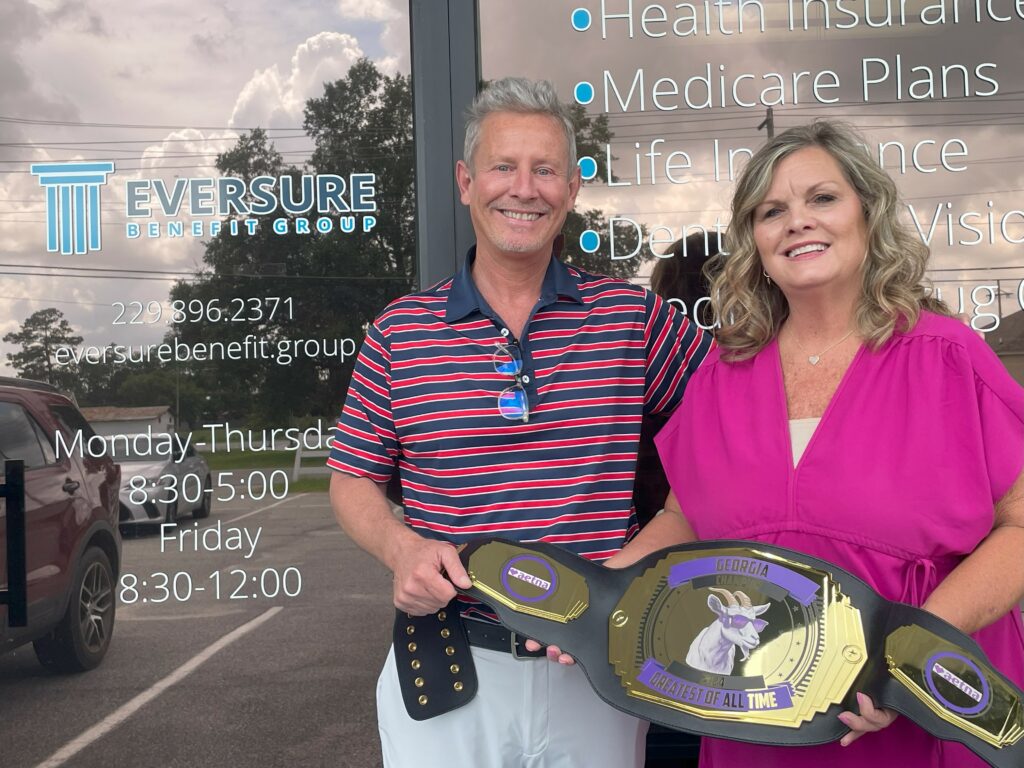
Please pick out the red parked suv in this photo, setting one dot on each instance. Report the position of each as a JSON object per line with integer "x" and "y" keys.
{"x": 73, "y": 548}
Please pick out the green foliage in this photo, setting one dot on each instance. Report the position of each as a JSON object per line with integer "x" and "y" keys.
{"x": 601, "y": 262}
{"x": 592, "y": 136}
{"x": 252, "y": 156}
{"x": 41, "y": 335}
{"x": 338, "y": 282}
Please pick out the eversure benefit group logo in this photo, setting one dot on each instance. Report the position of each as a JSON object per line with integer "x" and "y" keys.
{"x": 314, "y": 203}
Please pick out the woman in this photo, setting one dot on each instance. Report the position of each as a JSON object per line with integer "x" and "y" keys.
{"x": 847, "y": 415}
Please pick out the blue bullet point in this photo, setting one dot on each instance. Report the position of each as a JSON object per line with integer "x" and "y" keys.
{"x": 581, "y": 19}
{"x": 584, "y": 92}
{"x": 590, "y": 241}
{"x": 588, "y": 168}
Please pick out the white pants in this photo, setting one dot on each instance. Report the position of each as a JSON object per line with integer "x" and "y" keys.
{"x": 529, "y": 713}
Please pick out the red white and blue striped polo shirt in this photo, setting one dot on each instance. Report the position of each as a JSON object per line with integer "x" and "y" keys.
{"x": 598, "y": 353}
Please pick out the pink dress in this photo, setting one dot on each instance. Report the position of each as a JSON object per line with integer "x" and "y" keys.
{"x": 897, "y": 485}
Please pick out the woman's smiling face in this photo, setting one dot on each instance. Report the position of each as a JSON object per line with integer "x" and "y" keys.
{"x": 810, "y": 229}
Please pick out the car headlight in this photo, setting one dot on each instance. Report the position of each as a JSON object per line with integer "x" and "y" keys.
{"x": 161, "y": 481}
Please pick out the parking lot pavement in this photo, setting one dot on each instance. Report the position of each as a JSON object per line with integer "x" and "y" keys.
{"x": 213, "y": 676}
{"x": 266, "y": 655}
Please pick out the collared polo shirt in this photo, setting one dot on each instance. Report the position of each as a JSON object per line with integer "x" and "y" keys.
{"x": 598, "y": 353}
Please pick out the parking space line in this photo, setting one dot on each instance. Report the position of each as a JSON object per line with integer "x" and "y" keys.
{"x": 122, "y": 713}
{"x": 257, "y": 511}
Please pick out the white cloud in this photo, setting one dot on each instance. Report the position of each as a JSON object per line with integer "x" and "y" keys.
{"x": 177, "y": 63}
{"x": 395, "y": 40}
{"x": 394, "y": 35}
{"x": 187, "y": 147}
{"x": 275, "y": 99}
{"x": 368, "y": 10}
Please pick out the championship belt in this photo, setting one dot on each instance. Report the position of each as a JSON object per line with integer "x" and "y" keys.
{"x": 750, "y": 642}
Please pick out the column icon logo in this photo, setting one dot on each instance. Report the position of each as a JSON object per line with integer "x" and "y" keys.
{"x": 72, "y": 204}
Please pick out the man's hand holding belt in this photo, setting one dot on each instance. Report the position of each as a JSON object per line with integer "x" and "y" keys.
{"x": 426, "y": 573}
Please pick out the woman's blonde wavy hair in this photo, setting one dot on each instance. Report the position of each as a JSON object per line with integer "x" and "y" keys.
{"x": 752, "y": 309}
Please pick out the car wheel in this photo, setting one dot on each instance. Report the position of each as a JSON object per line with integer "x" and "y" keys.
{"x": 81, "y": 639}
{"x": 203, "y": 510}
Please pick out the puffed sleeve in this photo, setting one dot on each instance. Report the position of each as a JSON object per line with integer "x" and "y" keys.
{"x": 1001, "y": 412}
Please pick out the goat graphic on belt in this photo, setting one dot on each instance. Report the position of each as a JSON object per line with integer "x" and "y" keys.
{"x": 736, "y": 624}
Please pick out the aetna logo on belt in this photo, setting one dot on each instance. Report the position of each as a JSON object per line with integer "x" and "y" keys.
{"x": 957, "y": 683}
{"x": 529, "y": 578}
{"x": 949, "y": 677}
{"x": 521, "y": 584}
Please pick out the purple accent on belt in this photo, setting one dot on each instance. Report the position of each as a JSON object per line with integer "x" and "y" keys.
{"x": 510, "y": 569}
{"x": 934, "y": 668}
{"x": 802, "y": 589}
{"x": 654, "y": 676}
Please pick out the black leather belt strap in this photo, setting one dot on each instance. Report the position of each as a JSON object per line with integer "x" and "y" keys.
{"x": 435, "y": 666}
{"x": 649, "y": 638}
{"x": 436, "y": 673}
{"x": 495, "y": 637}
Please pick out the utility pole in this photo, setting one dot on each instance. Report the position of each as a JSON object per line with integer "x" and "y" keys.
{"x": 769, "y": 123}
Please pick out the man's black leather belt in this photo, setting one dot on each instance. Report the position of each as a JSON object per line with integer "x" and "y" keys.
{"x": 494, "y": 637}
{"x": 435, "y": 667}
{"x": 436, "y": 673}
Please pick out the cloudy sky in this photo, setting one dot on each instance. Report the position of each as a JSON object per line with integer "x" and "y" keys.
{"x": 160, "y": 91}
{"x": 161, "y": 88}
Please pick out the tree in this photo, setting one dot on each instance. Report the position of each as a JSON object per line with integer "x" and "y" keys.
{"x": 252, "y": 156}
{"x": 338, "y": 282}
{"x": 149, "y": 382}
{"x": 41, "y": 335}
{"x": 592, "y": 134}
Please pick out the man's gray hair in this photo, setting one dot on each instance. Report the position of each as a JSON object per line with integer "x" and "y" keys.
{"x": 517, "y": 94}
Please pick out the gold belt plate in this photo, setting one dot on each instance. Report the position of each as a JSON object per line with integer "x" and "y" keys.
{"x": 737, "y": 634}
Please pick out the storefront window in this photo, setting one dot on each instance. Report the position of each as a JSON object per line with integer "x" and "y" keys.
{"x": 202, "y": 207}
{"x": 687, "y": 90}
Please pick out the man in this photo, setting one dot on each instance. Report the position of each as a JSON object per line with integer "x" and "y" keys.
{"x": 511, "y": 397}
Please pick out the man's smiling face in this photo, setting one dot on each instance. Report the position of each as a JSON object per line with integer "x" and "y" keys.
{"x": 519, "y": 187}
